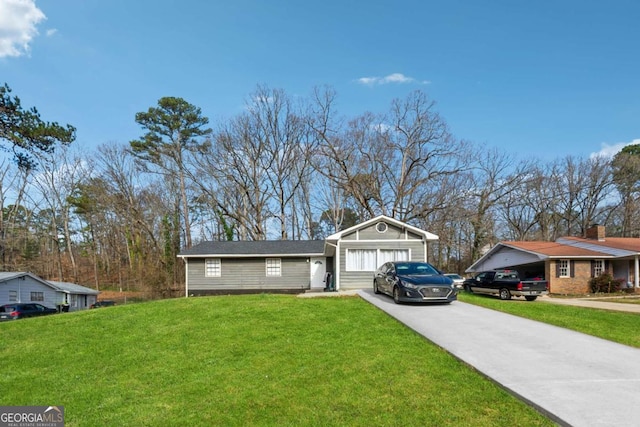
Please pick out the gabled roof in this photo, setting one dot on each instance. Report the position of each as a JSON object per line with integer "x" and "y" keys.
{"x": 279, "y": 248}
{"x": 616, "y": 246}
{"x": 73, "y": 288}
{"x": 554, "y": 249}
{"x": 565, "y": 247}
{"x": 66, "y": 287}
{"x": 416, "y": 230}
{"x": 10, "y": 275}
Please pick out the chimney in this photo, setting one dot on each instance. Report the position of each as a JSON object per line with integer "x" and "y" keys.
{"x": 596, "y": 232}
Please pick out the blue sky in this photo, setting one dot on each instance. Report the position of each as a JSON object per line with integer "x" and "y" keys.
{"x": 545, "y": 79}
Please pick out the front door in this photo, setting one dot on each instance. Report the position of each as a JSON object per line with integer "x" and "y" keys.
{"x": 318, "y": 269}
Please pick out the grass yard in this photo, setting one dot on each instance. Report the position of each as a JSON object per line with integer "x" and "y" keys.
{"x": 614, "y": 326}
{"x": 261, "y": 360}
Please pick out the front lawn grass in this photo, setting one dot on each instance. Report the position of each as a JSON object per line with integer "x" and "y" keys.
{"x": 611, "y": 325}
{"x": 272, "y": 360}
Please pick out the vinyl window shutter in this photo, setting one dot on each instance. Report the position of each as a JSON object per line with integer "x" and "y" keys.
{"x": 572, "y": 268}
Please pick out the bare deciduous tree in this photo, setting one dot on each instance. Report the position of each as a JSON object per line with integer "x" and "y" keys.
{"x": 495, "y": 177}
{"x": 60, "y": 174}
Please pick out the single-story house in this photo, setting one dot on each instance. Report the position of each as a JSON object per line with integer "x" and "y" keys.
{"x": 570, "y": 262}
{"x": 344, "y": 260}
{"x": 77, "y": 297}
{"x": 23, "y": 287}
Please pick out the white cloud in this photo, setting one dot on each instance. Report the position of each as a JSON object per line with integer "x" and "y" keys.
{"x": 51, "y": 31}
{"x": 609, "y": 151}
{"x": 391, "y": 78}
{"x": 18, "y": 21}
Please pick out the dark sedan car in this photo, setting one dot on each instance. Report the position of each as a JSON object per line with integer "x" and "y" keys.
{"x": 409, "y": 281}
{"x": 103, "y": 303}
{"x": 20, "y": 311}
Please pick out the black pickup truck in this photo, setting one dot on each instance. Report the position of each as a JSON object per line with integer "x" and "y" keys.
{"x": 505, "y": 284}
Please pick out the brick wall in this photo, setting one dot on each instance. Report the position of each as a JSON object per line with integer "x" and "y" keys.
{"x": 577, "y": 285}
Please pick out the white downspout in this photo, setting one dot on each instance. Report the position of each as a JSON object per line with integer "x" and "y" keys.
{"x": 186, "y": 278}
{"x": 337, "y": 264}
{"x": 636, "y": 268}
{"x": 426, "y": 249}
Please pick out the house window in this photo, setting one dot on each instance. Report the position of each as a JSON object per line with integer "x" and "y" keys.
{"x": 387, "y": 255}
{"x": 371, "y": 259}
{"x": 274, "y": 267}
{"x": 598, "y": 267}
{"x": 563, "y": 268}
{"x": 13, "y": 296}
{"x": 212, "y": 267}
{"x": 37, "y": 296}
{"x": 362, "y": 259}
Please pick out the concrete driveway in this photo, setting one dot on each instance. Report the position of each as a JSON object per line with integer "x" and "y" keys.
{"x": 573, "y": 378}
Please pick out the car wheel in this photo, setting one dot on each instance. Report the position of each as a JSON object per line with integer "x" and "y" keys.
{"x": 530, "y": 297}
{"x": 396, "y": 295}
{"x": 467, "y": 288}
{"x": 375, "y": 287}
{"x": 505, "y": 294}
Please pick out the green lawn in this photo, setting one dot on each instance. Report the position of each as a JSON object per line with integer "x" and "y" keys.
{"x": 272, "y": 360}
{"x": 615, "y": 326}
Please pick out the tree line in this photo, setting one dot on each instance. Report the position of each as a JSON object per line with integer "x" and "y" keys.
{"x": 284, "y": 168}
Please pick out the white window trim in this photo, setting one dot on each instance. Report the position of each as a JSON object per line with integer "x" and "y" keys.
{"x": 568, "y": 268}
{"x": 277, "y": 265}
{"x": 598, "y": 267}
{"x": 216, "y": 271}
{"x": 382, "y": 227}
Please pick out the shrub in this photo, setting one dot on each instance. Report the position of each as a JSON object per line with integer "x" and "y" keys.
{"x": 605, "y": 283}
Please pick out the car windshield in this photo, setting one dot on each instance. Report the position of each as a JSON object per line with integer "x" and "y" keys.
{"x": 454, "y": 276}
{"x": 406, "y": 269}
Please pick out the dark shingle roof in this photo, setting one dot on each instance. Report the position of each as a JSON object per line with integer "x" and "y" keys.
{"x": 256, "y": 248}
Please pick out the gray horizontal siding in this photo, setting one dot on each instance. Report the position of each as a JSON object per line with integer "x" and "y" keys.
{"x": 355, "y": 280}
{"x": 393, "y": 232}
{"x": 249, "y": 274}
{"x": 24, "y": 289}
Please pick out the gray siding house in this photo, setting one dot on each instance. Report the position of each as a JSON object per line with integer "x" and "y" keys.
{"x": 345, "y": 260}
{"x": 23, "y": 287}
{"x": 75, "y": 296}
{"x": 257, "y": 266}
{"x": 361, "y": 249}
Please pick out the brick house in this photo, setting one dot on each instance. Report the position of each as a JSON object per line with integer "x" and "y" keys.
{"x": 570, "y": 262}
